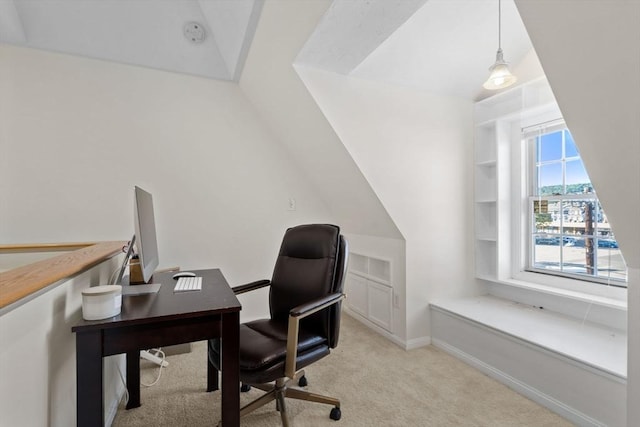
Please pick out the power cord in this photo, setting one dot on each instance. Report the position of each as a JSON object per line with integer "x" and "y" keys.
{"x": 113, "y": 276}
{"x": 158, "y": 353}
{"x": 126, "y": 389}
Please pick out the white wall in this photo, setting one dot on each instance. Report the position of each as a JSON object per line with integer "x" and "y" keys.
{"x": 590, "y": 52}
{"x": 38, "y": 357}
{"x": 78, "y": 134}
{"x": 415, "y": 149}
{"x": 271, "y": 83}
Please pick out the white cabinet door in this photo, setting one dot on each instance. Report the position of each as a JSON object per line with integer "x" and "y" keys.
{"x": 380, "y": 304}
{"x": 357, "y": 294}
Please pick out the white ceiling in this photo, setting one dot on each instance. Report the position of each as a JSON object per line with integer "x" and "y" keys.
{"x": 141, "y": 32}
{"x": 444, "y": 46}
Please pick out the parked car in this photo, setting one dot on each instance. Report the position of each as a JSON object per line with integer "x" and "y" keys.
{"x": 546, "y": 240}
{"x": 607, "y": 244}
{"x": 555, "y": 241}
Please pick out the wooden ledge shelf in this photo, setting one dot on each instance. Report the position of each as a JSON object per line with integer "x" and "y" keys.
{"x": 23, "y": 281}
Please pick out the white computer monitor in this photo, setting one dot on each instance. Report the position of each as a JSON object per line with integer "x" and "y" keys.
{"x": 145, "y": 228}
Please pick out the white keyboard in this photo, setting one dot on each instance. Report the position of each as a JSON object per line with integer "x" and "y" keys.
{"x": 185, "y": 284}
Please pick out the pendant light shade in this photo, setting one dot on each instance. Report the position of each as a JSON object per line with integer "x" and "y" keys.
{"x": 500, "y": 76}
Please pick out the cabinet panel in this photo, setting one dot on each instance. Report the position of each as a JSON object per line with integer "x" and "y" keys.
{"x": 369, "y": 289}
{"x": 380, "y": 304}
{"x": 356, "y": 289}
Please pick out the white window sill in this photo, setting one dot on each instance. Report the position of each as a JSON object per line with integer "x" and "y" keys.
{"x": 616, "y": 298}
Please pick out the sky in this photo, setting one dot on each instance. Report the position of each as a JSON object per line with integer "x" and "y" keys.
{"x": 549, "y": 156}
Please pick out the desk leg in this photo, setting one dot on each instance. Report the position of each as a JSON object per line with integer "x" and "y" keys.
{"x": 212, "y": 374}
{"x": 90, "y": 410}
{"x": 133, "y": 379}
{"x": 230, "y": 369}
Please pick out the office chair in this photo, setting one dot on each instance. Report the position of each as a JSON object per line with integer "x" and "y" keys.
{"x": 305, "y": 295}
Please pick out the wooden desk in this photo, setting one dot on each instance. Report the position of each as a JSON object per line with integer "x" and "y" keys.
{"x": 156, "y": 320}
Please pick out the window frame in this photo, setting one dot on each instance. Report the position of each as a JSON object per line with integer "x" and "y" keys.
{"x": 524, "y": 230}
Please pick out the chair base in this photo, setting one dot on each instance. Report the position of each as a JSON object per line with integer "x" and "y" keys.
{"x": 281, "y": 390}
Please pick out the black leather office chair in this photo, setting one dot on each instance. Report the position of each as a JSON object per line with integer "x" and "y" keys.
{"x": 305, "y": 297}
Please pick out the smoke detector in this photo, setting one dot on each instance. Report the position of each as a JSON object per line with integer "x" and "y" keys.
{"x": 194, "y": 32}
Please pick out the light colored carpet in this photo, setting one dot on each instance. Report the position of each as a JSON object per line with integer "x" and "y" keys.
{"x": 378, "y": 384}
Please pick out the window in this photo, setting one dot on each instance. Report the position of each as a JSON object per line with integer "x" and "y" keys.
{"x": 569, "y": 234}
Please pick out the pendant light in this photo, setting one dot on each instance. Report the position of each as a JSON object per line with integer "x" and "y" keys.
{"x": 500, "y": 76}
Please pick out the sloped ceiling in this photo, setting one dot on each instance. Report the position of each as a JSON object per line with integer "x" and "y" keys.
{"x": 444, "y": 46}
{"x": 148, "y": 33}
{"x": 599, "y": 99}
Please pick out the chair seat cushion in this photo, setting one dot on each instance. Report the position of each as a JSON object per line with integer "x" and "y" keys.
{"x": 264, "y": 342}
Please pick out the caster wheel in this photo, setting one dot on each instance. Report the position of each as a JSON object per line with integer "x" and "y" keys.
{"x": 302, "y": 382}
{"x": 245, "y": 388}
{"x": 335, "y": 414}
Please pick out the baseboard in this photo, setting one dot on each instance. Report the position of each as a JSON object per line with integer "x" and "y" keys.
{"x": 536, "y": 395}
{"x": 418, "y": 342}
{"x": 405, "y": 345}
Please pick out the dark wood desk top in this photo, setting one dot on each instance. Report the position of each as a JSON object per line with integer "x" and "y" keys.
{"x": 216, "y": 297}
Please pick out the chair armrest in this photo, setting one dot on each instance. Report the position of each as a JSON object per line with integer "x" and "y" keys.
{"x": 295, "y": 315}
{"x": 250, "y": 286}
{"x": 303, "y": 310}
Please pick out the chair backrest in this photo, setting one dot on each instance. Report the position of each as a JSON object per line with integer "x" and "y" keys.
{"x": 311, "y": 264}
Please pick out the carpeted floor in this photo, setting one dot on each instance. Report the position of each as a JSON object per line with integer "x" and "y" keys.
{"x": 378, "y": 384}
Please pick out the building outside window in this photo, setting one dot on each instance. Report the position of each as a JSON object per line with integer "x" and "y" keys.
{"x": 569, "y": 234}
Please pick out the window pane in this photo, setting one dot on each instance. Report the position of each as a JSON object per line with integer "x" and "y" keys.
{"x": 577, "y": 180}
{"x": 602, "y": 223}
{"x": 546, "y": 216}
{"x": 549, "y": 147}
{"x": 550, "y": 179}
{"x": 546, "y": 252}
{"x": 610, "y": 261}
{"x": 570, "y": 148}
{"x": 574, "y": 259}
{"x": 569, "y": 235}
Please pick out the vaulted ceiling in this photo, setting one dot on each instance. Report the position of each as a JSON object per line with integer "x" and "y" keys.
{"x": 151, "y": 33}
{"x": 444, "y": 46}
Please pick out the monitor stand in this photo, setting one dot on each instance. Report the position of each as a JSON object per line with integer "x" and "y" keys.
{"x": 145, "y": 354}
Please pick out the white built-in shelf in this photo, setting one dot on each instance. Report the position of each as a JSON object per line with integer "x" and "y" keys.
{"x": 485, "y": 184}
{"x": 370, "y": 289}
{"x": 486, "y": 221}
{"x": 370, "y": 268}
{"x": 485, "y": 254}
{"x": 494, "y": 117}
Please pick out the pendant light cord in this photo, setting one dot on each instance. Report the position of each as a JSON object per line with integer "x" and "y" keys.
{"x": 499, "y": 25}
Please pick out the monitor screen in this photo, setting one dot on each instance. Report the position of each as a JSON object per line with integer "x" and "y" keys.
{"x": 145, "y": 227}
